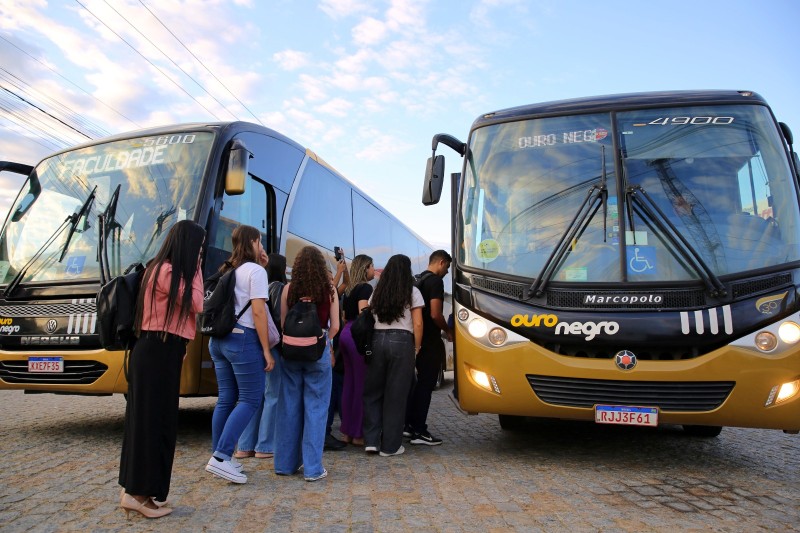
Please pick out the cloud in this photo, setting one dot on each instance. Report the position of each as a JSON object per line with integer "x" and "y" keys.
{"x": 369, "y": 32}
{"x": 337, "y": 9}
{"x": 291, "y": 59}
{"x": 337, "y": 107}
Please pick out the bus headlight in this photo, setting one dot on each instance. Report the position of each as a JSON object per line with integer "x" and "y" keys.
{"x": 477, "y": 328}
{"x": 781, "y": 393}
{"x": 463, "y": 314}
{"x": 497, "y": 336}
{"x": 484, "y": 380}
{"x": 766, "y": 341}
{"x": 789, "y": 332}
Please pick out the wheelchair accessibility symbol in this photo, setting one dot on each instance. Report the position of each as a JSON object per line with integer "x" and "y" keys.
{"x": 641, "y": 260}
{"x": 74, "y": 265}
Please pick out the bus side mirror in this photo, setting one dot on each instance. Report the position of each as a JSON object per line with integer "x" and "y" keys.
{"x": 787, "y": 133}
{"x": 238, "y": 161}
{"x": 434, "y": 180}
{"x": 34, "y": 189}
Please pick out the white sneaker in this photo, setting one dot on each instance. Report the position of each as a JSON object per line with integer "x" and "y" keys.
{"x": 371, "y": 449}
{"x": 225, "y": 470}
{"x": 399, "y": 451}
{"x": 317, "y": 478}
{"x": 237, "y": 465}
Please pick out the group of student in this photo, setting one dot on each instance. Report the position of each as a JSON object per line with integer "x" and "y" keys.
{"x": 269, "y": 405}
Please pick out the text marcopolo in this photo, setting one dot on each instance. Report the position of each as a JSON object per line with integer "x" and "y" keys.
{"x": 594, "y": 299}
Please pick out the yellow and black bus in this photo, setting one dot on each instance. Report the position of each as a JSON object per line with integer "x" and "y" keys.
{"x": 628, "y": 259}
{"x": 87, "y": 214}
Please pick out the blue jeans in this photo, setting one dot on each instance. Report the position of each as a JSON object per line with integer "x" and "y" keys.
{"x": 239, "y": 365}
{"x": 302, "y": 415}
{"x": 259, "y": 435}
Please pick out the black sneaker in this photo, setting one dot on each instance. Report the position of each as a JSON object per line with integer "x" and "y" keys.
{"x": 407, "y": 432}
{"x": 333, "y": 444}
{"x": 425, "y": 438}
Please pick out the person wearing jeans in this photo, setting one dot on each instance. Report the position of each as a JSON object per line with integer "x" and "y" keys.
{"x": 397, "y": 305}
{"x": 239, "y": 366}
{"x": 241, "y": 357}
{"x": 306, "y": 385}
{"x": 302, "y": 416}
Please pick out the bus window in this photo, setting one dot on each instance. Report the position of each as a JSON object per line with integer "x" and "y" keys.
{"x": 321, "y": 212}
{"x": 371, "y": 226}
{"x": 251, "y": 208}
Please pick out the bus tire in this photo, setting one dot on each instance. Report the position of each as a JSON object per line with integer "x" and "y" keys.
{"x": 703, "y": 431}
{"x": 511, "y": 422}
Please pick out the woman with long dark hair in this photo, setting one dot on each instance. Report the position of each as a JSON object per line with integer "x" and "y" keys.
{"x": 241, "y": 357}
{"x": 397, "y": 305}
{"x": 170, "y": 296}
{"x": 306, "y": 386}
{"x": 356, "y": 298}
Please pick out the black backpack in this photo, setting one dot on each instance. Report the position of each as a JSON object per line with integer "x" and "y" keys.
{"x": 303, "y": 339}
{"x": 361, "y": 330}
{"x": 275, "y": 290}
{"x": 218, "y": 317}
{"x": 116, "y": 309}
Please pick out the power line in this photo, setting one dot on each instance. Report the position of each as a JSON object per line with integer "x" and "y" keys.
{"x": 24, "y": 87}
{"x": 150, "y": 62}
{"x": 70, "y": 81}
{"x": 46, "y": 113}
{"x": 171, "y": 60}
{"x": 201, "y": 63}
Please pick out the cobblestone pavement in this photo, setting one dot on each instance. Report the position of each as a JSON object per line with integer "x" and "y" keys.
{"x": 59, "y": 460}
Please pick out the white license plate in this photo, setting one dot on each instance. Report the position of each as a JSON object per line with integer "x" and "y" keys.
{"x": 626, "y": 415}
{"x": 45, "y": 364}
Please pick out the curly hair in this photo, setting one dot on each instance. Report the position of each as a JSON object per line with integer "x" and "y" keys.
{"x": 393, "y": 293}
{"x": 310, "y": 278}
{"x": 358, "y": 272}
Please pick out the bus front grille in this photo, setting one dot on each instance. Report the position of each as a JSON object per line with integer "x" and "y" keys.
{"x": 666, "y": 395}
{"x": 75, "y": 373}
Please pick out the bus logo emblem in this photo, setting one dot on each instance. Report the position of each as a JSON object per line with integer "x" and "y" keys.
{"x": 625, "y": 360}
{"x": 51, "y": 326}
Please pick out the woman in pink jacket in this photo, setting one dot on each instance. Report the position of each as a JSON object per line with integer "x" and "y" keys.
{"x": 169, "y": 298}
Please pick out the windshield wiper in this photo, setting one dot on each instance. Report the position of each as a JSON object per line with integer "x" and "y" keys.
{"x": 647, "y": 208}
{"x": 12, "y": 286}
{"x": 107, "y": 221}
{"x": 597, "y": 196}
{"x": 75, "y": 218}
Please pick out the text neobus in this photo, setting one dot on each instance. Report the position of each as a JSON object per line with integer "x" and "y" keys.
{"x": 590, "y": 329}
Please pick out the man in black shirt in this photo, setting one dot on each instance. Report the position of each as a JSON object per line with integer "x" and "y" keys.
{"x": 432, "y": 352}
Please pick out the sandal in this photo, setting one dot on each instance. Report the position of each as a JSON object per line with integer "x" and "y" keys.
{"x": 243, "y": 454}
{"x": 263, "y": 455}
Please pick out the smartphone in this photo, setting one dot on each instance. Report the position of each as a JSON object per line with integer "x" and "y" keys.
{"x": 337, "y": 253}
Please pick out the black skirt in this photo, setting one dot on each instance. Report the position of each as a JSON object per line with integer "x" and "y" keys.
{"x": 151, "y": 416}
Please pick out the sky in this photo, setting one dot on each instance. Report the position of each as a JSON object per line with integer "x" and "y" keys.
{"x": 366, "y": 83}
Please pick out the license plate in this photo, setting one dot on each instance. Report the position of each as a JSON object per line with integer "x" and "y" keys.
{"x": 626, "y": 415}
{"x": 45, "y": 364}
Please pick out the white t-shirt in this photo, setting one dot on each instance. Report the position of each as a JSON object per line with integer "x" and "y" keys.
{"x": 251, "y": 282}
{"x": 404, "y": 322}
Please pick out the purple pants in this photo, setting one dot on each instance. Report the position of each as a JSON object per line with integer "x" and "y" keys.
{"x": 355, "y": 371}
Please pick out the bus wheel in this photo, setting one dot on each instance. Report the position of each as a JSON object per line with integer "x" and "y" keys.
{"x": 703, "y": 431}
{"x": 511, "y": 422}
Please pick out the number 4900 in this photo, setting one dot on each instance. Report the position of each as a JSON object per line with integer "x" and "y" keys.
{"x": 691, "y": 120}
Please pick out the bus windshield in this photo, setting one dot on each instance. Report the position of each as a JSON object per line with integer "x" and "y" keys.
{"x": 142, "y": 186}
{"x": 716, "y": 175}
